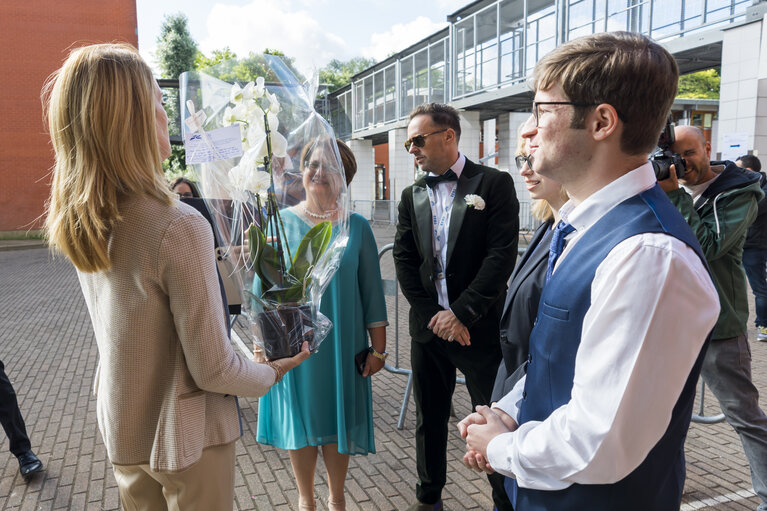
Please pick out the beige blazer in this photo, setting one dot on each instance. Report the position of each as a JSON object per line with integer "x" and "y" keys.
{"x": 167, "y": 371}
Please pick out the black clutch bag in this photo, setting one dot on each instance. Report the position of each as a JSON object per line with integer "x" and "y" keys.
{"x": 359, "y": 360}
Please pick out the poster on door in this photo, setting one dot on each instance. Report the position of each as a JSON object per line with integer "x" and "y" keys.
{"x": 734, "y": 145}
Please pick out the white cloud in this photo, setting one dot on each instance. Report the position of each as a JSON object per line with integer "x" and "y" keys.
{"x": 276, "y": 25}
{"x": 400, "y": 36}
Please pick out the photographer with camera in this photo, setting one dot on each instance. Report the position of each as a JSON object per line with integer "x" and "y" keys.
{"x": 719, "y": 201}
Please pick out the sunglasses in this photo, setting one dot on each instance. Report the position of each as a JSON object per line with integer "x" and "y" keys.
{"x": 420, "y": 140}
{"x": 522, "y": 160}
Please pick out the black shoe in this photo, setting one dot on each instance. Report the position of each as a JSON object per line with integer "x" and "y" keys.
{"x": 420, "y": 506}
{"x": 29, "y": 464}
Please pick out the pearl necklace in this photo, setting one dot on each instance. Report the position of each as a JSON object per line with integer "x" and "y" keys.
{"x": 320, "y": 216}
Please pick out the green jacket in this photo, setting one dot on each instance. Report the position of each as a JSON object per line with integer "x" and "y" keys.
{"x": 720, "y": 218}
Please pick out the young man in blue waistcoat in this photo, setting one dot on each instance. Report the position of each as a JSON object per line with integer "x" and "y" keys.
{"x": 599, "y": 420}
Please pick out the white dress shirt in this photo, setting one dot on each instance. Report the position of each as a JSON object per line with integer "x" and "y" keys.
{"x": 652, "y": 306}
{"x": 441, "y": 210}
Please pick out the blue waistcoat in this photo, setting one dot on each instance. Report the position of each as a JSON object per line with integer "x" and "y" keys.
{"x": 656, "y": 485}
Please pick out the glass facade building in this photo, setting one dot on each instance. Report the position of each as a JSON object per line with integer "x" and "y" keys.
{"x": 492, "y": 45}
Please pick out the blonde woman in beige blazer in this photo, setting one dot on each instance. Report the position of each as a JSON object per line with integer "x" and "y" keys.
{"x": 167, "y": 374}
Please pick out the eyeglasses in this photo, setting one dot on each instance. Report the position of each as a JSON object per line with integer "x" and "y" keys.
{"x": 522, "y": 160}
{"x": 185, "y": 195}
{"x": 420, "y": 140}
{"x": 536, "y": 104}
{"x": 315, "y": 165}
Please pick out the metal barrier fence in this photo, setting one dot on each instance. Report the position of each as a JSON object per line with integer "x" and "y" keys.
{"x": 377, "y": 212}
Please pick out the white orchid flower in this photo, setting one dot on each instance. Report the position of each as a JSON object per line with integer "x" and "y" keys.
{"x": 274, "y": 121}
{"x": 229, "y": 116}
{"x": 235, "y": 96}
{"x": 257, "y": 181}
{"x": 237, "y": 176}
{"x": 257, "y": 143}
{"x": 254, "y": 114}
{"x": 246, "y": 176}
{"x": 240, "y": 112}
{"x": 249, "y": 91}
{"x": 260, "y": 87}
{"x": 279, "y": 145}
{"x": 274, "y": 103}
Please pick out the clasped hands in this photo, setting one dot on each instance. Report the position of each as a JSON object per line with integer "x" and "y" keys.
{"x": 445, "y": 325}
{"x": 478, "y": 429}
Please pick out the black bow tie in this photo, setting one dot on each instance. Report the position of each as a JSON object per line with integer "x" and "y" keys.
{"x": 432, "y": 181}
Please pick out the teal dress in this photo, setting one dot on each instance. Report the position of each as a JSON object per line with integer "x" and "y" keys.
{"x": 325, "y": 400}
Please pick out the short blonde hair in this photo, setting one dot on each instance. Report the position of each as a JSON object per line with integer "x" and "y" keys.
{"x": 626, "y": 70}
{"x": 100, "y": 109}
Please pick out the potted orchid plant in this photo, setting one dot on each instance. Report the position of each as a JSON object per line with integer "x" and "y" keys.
{"x": 283, "y": 284}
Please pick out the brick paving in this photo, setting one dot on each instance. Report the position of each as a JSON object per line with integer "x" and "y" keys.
{"x": 50, "y": 356}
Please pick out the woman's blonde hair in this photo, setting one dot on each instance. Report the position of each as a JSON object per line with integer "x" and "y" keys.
{"x": 541, "y": 209}
{"x": 100, "y": 109}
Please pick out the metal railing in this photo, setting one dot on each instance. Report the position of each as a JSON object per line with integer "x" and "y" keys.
{"x": 377, "y": 212}
{"x": 700, "y": 417}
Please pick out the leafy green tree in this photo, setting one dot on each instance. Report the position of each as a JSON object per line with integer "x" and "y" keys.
{"x": 218, "y": 56}
{"x": 224, "y": 65}
{"x": 176, "y": 52}
{"x": 700, "y": 85}
{"x": 338, "y": 73}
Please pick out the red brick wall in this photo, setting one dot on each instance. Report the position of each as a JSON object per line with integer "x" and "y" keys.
{"x": 35, "y": 36}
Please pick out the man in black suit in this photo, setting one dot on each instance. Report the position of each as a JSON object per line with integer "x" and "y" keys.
{"x": 454, "y": 250}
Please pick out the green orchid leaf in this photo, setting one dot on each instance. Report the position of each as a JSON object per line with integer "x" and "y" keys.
{"x": 294, "y": 293}
{"x": 311, "y": 248}
{"x": 265, "y": 258}
{"x": 257, "y": 299}
{"x": 269, "y": 266}
{"x": 256, "y": 243}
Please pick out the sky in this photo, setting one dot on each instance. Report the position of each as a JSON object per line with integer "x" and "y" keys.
{"x": 311, "y": 31}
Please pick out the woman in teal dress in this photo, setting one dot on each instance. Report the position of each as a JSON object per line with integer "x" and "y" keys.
{"x": 325, "y": 403}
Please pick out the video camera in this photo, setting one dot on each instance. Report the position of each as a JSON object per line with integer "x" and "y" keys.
{"x": 664, "y": 157}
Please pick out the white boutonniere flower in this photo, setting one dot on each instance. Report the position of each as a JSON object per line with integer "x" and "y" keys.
{"x": 475, "y": 201}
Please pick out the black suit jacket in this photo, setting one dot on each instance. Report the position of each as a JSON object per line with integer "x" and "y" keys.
{"x": 521, "y": 308}
{"x": 481, "y": 250}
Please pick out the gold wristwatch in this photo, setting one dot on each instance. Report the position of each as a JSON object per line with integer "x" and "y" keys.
{"x": 380, "y": 356}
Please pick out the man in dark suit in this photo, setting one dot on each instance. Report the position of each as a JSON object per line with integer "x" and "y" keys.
{"x": 454, "y": 250}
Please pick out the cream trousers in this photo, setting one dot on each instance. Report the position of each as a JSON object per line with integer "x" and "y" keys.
{"x": 205, "y": 486}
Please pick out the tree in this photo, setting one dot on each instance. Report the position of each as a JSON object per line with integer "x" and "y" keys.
{"x": 338, "y": 73}
{"x": 176, "y": 52}
{"x": 700, "y": 85}
{"x": 202, "y": 62}
{"x": 225, "y": 65}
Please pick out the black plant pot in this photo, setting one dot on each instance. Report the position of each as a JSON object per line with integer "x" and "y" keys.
{"x": 284, "y": 329}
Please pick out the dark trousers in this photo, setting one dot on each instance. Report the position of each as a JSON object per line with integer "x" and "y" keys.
{"x": 727, "y": 372}
{"x": 434, "y": 369}
{"x": 10, "y": 416}
{"x": 755, "y": 264}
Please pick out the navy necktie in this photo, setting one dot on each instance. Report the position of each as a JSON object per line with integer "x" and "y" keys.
{"x": 432, "y": 181}
{"x": 557, "y": 245}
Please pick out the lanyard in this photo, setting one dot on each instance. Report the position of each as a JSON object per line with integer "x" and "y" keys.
{"x": 440, "y": 227}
